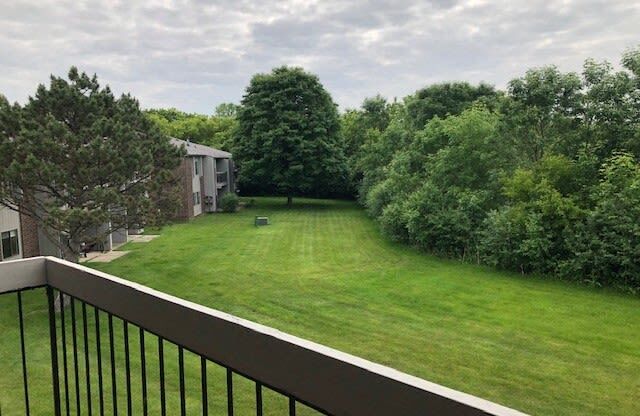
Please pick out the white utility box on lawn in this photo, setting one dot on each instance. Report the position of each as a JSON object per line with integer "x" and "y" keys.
{"x": 261, "y": 221}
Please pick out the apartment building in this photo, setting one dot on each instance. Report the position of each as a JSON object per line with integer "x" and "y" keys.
{"x": 206, "y": 174}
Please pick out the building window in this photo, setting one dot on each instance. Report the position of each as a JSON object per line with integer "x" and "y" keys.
{"x": 196, "y": 198}
{"x": 196, "y": 166}
{"x": 10, "y": 244}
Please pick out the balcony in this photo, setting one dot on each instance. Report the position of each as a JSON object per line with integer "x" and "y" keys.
{"x": 221, "y": 178}
{"x": 156, "y": 333}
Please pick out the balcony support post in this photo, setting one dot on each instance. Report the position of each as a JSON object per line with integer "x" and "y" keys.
{"x": 55, "y": 380}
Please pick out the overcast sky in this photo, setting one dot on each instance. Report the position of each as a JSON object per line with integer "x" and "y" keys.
{"x": 195, "y": 54}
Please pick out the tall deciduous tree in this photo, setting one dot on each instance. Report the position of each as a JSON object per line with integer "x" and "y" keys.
{"x": 450, "y": 98}
{"x": 287, "y": 139}
{"x": 539, "y": 114}
{"x": 611, "y": 106}
{"x": 359, "y": 127}
{"x": 226, "y": 110}
{"x": 83, "y": 163}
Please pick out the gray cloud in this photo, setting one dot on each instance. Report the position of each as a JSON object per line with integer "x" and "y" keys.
{"x": 196, "y": 54}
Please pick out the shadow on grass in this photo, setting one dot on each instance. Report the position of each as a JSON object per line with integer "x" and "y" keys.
{"x": 299, "y": 204}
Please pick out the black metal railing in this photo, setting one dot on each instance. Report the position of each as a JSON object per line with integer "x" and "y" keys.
{"x": 79, "y": 371}
{"x": 120, "y": 348}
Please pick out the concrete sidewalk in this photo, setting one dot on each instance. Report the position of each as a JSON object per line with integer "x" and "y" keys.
{"x": 143, "y": 238}
{"x": 100, "y": 257}
{"x": 107, "y": 256}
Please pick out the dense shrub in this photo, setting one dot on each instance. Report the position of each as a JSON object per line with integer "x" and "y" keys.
{"x": 444, "y": 221}
{"x": 393, "y": 220}
{"x": 605, "y": 246}
{"x": 500, "y": 239}
{"x": 529, "y": 233}
{"x": 377, "y": 153}
{"x": 525, "y": 239}
{"x": 542, "y": 179}
{"x": 229, "y": 202}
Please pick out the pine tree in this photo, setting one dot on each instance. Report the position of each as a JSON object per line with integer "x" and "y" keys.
{"x": 83, "y": 163}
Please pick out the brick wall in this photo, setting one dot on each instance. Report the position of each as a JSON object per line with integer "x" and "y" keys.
{"x": 185, "y": 173}
{"x": 29, "y": 231}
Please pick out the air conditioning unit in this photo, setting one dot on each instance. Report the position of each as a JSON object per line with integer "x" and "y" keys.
{"x": 261, "y": 221}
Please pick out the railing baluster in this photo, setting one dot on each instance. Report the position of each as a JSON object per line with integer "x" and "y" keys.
{"x": 63, "y": 324}
{"x": 183, "y": 404}
{"x": 99, "y": 357}
{"x": 75, "y": 354}
{"x": 127, "y": 366}
{"x": 203, "y": 377}
{"x": 292, "y": 406}
{"x": 24, "y": 355}
{"x": 143, "y": 373}
{"x": 163, "y": 404}
{"x": 86, "y": 356}
{"x": 258, "y": 399}
{"x": 229, "y": 392}
{"x": 55, "y": 381}
{"x": 112, "y": 351}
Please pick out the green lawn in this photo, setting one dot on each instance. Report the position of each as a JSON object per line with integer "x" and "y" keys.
{"x": 323, "y": 272}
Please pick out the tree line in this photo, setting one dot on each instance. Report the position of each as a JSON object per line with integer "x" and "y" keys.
{"x": 215, "y": 130}
{"x": 540, "y": 178}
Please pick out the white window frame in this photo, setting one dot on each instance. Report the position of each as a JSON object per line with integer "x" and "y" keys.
{"x": 197, "y": 169}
